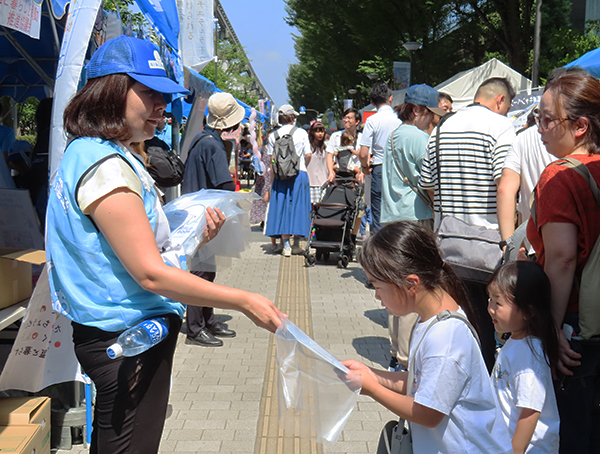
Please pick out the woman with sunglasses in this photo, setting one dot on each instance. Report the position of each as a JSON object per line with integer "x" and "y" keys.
{"x": 563, "y": 230}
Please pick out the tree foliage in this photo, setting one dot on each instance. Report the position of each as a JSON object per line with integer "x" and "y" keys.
{"x": 232, "y": 72}
{"x": 341, "y": 42}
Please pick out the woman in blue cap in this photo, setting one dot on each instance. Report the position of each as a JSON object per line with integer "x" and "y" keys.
{"x": 105, "y": 230}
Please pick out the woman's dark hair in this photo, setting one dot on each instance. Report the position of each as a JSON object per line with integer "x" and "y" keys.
{"x": 316, "y": 145}
{"x": 98, "y": 110}
{"x": 286, "y": 119}
{"x": 527, "y": 286}
{"x": 405, "y": 111}
{"x": 403, "y": 248}
{"x": 578, "y": 96}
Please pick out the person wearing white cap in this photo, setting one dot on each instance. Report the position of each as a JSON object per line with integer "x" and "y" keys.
{"x": 289, "y": 208}
{"x": 206, "y": 167}
{"x": 104, "y": 231}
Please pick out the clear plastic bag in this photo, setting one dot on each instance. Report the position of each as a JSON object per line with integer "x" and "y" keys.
{"x": 187, "y": 222}
{"x": 317, "y": 393}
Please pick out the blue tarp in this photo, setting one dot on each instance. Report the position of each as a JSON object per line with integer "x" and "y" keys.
{"x": 188, "y": 107}
{"x": 590, "y": 62}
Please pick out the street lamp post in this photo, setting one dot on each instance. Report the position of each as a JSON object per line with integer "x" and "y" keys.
{"x": 411, "y": 46}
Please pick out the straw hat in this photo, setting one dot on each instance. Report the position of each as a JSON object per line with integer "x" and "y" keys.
{"x": 224, "y": 111}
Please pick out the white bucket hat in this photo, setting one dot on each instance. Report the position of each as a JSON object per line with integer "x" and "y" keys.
{"x": 224, "y": 111}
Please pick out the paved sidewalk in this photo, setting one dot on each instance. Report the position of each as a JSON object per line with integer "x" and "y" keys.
{"x": 218, "y": 392}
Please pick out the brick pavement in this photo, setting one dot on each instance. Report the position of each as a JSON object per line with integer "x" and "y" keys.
{"x": 217, "y": 392}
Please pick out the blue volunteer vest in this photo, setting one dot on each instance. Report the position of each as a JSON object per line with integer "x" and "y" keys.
{"x": 88, "y": 283}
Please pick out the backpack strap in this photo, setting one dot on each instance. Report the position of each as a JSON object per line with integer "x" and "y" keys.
{"x": 582, "y": 170}
{"x": 444, "y": 315}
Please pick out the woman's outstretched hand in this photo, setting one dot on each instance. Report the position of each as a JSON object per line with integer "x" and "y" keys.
{"x": 263, "y": 312}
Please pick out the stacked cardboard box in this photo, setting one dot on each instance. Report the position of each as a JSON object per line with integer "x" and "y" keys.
{"x": 25, "y": 425}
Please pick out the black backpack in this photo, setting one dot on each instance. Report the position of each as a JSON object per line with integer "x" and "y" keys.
{"x": 163, "y": 164}
{"x": 286, "y": 162}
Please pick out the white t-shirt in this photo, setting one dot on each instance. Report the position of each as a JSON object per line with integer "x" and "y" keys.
{"x": 528, "y": 157}
{"x": 301, "y": 143}
{"x": 115, "y": 173}
{"x": 377, "y": 129}
{"x": 522, "y": 379}
{"x": 451, "y": 377}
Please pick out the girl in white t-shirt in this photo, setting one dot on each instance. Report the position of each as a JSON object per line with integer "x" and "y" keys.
{"x": 450, "y": 403}
{"x": 519, "y": 304}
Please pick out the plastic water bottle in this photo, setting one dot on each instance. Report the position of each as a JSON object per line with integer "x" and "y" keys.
{"x": 140, "y": 338}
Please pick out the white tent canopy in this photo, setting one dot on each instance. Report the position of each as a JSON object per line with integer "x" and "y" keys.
{"x": 462, "y": 86}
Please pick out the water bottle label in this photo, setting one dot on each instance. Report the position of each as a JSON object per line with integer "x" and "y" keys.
{"x": 156, "y": 329}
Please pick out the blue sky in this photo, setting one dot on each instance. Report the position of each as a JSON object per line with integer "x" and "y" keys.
{"x": 267, "y": 39}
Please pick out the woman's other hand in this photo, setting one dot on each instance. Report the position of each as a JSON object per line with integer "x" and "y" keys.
{"x": 214, "y": 221}
{"x": 567, "y": 357}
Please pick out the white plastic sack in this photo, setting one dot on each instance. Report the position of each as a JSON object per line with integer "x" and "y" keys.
{"x": 317, "y": 393}
{"x": 187, "y": 221}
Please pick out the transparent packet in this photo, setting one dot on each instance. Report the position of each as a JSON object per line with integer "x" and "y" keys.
{"x": 187, "y": 222}
{"x": 317, "y": 393}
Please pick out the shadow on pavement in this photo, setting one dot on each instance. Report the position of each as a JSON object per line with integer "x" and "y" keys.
{"x": 373, "y": 348}
{"x": 379, "y": 316}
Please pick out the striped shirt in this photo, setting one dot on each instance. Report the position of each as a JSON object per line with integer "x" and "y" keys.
{"x": 473, "y": 145}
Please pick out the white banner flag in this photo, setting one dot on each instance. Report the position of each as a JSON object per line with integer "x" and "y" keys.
{"x": 82, "y": 16}
{"x": 196, "y": 31}
{"x": 21, "y": 15}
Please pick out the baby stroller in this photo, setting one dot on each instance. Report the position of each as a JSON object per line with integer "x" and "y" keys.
{"x": 332, "y": 220}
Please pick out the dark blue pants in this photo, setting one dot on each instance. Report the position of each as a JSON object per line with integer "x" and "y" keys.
{"x": 376, "y": 178}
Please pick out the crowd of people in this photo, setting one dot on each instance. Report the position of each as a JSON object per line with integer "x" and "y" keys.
{"x": 418, "y": 162}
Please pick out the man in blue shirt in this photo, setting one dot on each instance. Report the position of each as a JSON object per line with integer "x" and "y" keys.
{"x": 207, "y": 167}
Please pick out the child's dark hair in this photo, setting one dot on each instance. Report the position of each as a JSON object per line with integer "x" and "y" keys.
{"x": 403, "y": 248}
{"x": 346, "y": 139}
{"x": 527, "y": 286}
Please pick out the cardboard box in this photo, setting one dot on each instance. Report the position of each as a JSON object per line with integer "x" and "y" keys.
{"x": 15, "y": 274}
{"x": 24, "y": 411}
{"x": 22, "y": 440}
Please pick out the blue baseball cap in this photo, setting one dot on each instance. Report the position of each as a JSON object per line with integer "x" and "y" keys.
{"x": 137, "y": 58}
{"x": 426, "y": 96}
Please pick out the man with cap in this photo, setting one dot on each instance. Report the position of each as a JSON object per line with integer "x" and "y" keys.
{"x": 400, "y": 201}
{"x": 207, "y": 167}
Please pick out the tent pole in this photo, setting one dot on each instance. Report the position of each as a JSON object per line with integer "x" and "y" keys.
{"x": 28, "y": 59}
{"x": 53, "y": 25}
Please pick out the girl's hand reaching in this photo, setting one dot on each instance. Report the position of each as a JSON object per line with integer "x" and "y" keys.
{"x": 369, "y": 379}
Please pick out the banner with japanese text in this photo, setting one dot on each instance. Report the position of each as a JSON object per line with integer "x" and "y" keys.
{"x": 22, "y": 16}
{"x": 80, "y": 23}
{"x": 196, "y": 32}
{"x": 43, "y": 352}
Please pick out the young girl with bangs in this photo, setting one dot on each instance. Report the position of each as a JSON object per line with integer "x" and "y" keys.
{"x": 519, "y": 304}
{"x": 449, "y": 403}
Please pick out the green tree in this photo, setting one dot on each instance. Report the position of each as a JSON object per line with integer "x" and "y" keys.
{"x": 232, "y": 72}
{"x": 339, "y": 42}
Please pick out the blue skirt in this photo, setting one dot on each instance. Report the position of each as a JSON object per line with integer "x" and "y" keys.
{"x": 289, "y": 208}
